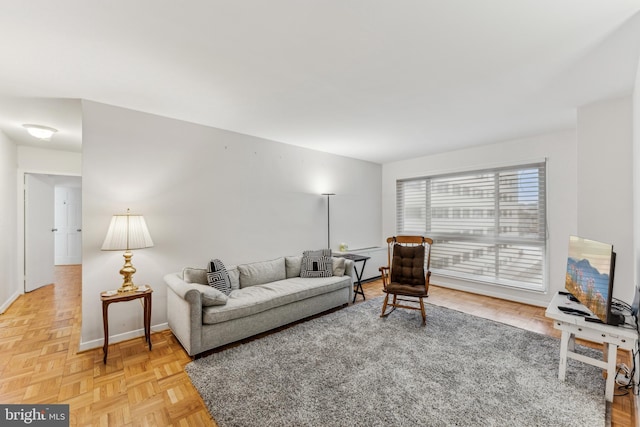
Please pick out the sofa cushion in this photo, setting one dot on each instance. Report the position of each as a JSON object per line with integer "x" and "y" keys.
{"x": 195, "y": 275}
{"x": 316, "y": 263}
{"x": 258, "y": 273}
{"x": 293, "y": 264}
{"x": 255, "y": 299}
{"x": 218, "y": 277}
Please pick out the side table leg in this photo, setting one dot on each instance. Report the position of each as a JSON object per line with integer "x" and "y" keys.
{"x": 611, "y": 354}
{"x": 105, "y": 324}
{"x": 636, "y": 376}
{"x": 364, "y": 264}
{"x": 147, "y": 319}
{"x": 358, "y": 284}
{"x": 564, "y": 347}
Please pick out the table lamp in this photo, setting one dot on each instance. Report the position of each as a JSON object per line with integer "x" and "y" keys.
{"x": 127, "y": 232}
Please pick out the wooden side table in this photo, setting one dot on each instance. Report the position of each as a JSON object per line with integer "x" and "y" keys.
{"x": 120, "y": 297}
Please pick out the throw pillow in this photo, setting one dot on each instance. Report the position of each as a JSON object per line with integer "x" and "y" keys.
{"x": 339, "y": 266}
{"x": 195, "y": 275}
{"x": 218, "y": 277}
{"x": 316, "y": 264}
{"x": 234, "y": 275}
{"x": 319, "y": 252}
{"x": 293, "y": 264}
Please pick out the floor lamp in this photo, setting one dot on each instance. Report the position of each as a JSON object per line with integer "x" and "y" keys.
{"x": 328, "y": 219}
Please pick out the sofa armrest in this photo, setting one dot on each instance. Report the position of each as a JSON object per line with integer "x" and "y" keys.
{"x": 184, "y": 312}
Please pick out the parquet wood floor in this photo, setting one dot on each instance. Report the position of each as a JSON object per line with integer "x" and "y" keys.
{"x": 39, "y": 362}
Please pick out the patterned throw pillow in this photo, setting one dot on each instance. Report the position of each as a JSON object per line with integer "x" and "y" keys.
{"x": 218, "y": 277}
{"x": 316, "y": 264}
{"x": 319, "y": 252}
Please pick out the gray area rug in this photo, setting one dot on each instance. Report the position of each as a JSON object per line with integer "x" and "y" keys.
{"x": 352, "y": 368}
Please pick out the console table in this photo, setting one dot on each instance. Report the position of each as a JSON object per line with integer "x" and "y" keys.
{"x": 107, "y": 299}
{"x": 356, "y": 259}
{"x": 611, "y": 337}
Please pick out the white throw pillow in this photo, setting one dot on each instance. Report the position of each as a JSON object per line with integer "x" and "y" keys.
{"x": 293, "y": 264}
{"x": 339, "y": 266}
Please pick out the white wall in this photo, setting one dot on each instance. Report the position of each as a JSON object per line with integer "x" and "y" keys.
{"x": 636, "y": 180}
{"x": 9, "y": 282}
{"x": 636, "y": 191}
{"x": 605, "y": 183}
{"x": 560, "y": 151}
{"x": 42, "y": 160}
{"x": 207, "y": 193}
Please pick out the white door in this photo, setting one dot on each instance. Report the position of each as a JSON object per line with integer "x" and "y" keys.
{"x": 38, "y": 231}
{"x": 68, "y": 225}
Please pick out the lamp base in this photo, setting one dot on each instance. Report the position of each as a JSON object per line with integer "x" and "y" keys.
{"x": 127, "y": 272}
{"x": 127, "y": 288}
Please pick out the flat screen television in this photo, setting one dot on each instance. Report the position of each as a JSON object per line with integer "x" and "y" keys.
{"x": 589, "y": 278}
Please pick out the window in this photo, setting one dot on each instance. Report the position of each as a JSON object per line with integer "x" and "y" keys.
{"x": 487, "y": 225}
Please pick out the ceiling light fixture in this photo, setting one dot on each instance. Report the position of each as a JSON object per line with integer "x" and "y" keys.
{"x": 40, "y": 132}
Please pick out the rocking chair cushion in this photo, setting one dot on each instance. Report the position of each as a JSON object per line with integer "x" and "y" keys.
{"x": 407, "y": 290}
{"x": 408, "y": 265}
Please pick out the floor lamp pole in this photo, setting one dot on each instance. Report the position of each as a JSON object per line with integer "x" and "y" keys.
{"x": 328, "y": 219}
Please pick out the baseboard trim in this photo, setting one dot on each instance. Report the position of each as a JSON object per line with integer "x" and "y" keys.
{"x": 4, "y": 307}
{"x": 489, "y": 293}
{"x": 113, "y": 339}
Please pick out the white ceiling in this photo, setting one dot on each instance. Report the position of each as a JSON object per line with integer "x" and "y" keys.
{"x": 376, "y": 80}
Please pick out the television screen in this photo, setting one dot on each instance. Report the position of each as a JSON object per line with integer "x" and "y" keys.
{"x": 590, "y": 275}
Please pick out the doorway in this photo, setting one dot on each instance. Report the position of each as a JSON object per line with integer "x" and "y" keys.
{"x": 52, "y": 226}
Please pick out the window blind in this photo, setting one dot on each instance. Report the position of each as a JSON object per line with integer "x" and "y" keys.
{"x": 487, "y": 225}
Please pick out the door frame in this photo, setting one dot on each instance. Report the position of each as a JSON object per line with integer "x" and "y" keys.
{"x": 20, "y": 229}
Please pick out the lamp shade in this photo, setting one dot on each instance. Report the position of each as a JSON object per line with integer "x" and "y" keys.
{"x": 127, "y": 232}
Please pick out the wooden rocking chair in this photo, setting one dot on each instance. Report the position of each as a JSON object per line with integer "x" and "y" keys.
{"x": 405, "y": 277}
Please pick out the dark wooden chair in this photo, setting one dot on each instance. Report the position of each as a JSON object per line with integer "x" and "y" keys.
{"x": 404, "y": 278}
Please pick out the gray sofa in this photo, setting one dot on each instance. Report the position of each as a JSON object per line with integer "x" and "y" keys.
{"x": 265, "y": 295}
